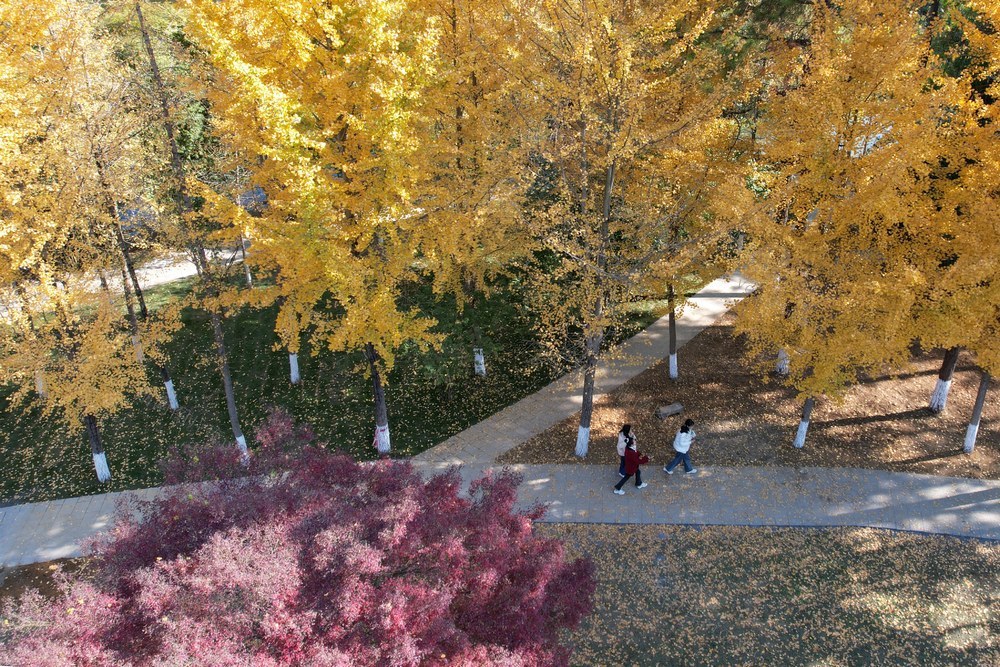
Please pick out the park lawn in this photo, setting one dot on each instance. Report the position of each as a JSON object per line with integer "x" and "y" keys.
{"x": 431, "y": 395}
{"x": 742, "y": 420}
{"x": 673, "y": 595}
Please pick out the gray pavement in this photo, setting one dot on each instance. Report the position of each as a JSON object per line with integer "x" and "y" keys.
{"x": 484, "y": 442}
{"x": 767, "y": 496}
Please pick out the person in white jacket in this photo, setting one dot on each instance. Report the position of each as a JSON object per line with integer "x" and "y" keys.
{"x": 682, "y": 445}
{"x": 624, "y": 436}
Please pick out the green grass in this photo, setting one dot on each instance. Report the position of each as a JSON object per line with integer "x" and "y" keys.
{"x": 673, "y": 595}
{"x": 159, "y": 296}
{"x": 47, "y": 460}
{"x": 430, "y": 395}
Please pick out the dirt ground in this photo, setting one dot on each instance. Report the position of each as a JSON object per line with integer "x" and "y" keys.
{"x": 15, "y": 581}
{"x": 727, "y": 595}
{"x": 883, "y": 423}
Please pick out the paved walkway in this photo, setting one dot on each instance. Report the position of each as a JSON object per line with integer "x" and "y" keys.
{"x": 482, "y": 443}
{"x": 769, "y": 496}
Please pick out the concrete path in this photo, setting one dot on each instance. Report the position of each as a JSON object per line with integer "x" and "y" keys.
{"x": 177, "y": 266}
{"x": 482, "y": 443}
{"x": 769, "y": 496}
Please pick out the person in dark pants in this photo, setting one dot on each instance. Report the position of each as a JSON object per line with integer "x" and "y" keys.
{"x": 633, "y": 459}
{"x": 682, "y": 445}
{"x": 625, "y": 436}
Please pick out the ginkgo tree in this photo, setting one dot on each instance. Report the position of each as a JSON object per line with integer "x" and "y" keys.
{"x": 960, "y": 307}
{"x": 193, "y": 230}
{"x": 356, "y": 129}
{"x": 622, "y": 111}
{"x": 478, "y": 174}
{"x": 65, "y": 334}
{"x": 846, "y": 143}
{"x": 109, "y": 115}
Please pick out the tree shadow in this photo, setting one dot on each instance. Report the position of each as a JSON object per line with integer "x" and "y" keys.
{"x": 869, "y": 419}
{"x": 931, "y": 457}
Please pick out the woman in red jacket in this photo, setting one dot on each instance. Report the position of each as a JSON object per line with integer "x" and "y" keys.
{"x": 633, "y": 460}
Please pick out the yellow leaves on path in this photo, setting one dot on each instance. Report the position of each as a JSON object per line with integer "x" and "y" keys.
{"x": 749, "y": 596}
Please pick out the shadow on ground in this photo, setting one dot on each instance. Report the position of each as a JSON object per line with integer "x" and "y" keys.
{"x": 744, "y": 420}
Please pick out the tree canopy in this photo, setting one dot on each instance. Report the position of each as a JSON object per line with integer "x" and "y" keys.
{"x": 313, "y": 560}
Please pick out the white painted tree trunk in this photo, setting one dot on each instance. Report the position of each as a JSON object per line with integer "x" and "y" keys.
{"x": 40, "y": 385}
{"x": 479, "y": 361}
{"x": 582, "y": 440}
{"x": 96, "y": 448}
{"x": 971, "y": 433}
{"x": 137, "y": 344}
{"x": 783, "y": 364}
{"x": 939, "y": 399}
{"x": 800, "y": 435}
{"x": 293, "y": 364}
{"x": 672, "y": 332}
{"x": 101, "y": 468}
{"x": 171, "y": 395}
{"x": 246, "y": 272}
{"x": 382, "y": 441}
{"x": 241, "y": 444}
{"x": 940, "y": 396}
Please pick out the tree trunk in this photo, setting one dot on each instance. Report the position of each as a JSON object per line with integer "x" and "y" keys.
{"x": 672, "y": 326}
{"x": 939, "y": 399}
{"x": 246, "y": 267}
{"x": 478, "y": 360}
{"x": 293, "y": 366}
{"x": 781, "y": 367}
{"x": 382, "y": 441}
{"x": 126, "y": 251}
{"x": 133, "y": 322}
{"x": 589, "y": 374}
{"x": 972, "y": 432}
{"x": 227, "y": 385}
{"x": 596, "y": 336}
{"x": 168, "y": 125}
{"x": 97, "y": 449}
{"x": 195, "y": 246}
{"x": 800, "y": 436}
{"x": 163, "y": 370}
{"x": 133, "y": 325}
{"x": 40, "y": 385}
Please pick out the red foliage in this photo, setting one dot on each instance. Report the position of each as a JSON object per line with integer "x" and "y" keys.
{"x": 329, "y": 562}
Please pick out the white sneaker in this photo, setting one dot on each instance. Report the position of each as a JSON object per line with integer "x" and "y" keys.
{"x": 620, "y": 492}
{"x": 669, "y": 472}
{"x": 642, "y": 486}
{"x": 692, "y": 471}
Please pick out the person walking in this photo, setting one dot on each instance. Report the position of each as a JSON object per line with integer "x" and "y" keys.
{"x": 633, "y": 459}
{"x": 682, "y": 445}
{"x": 625, "y": 436}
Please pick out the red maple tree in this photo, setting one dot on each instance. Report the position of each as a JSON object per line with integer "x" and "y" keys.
{"x": 312, "y": 559}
